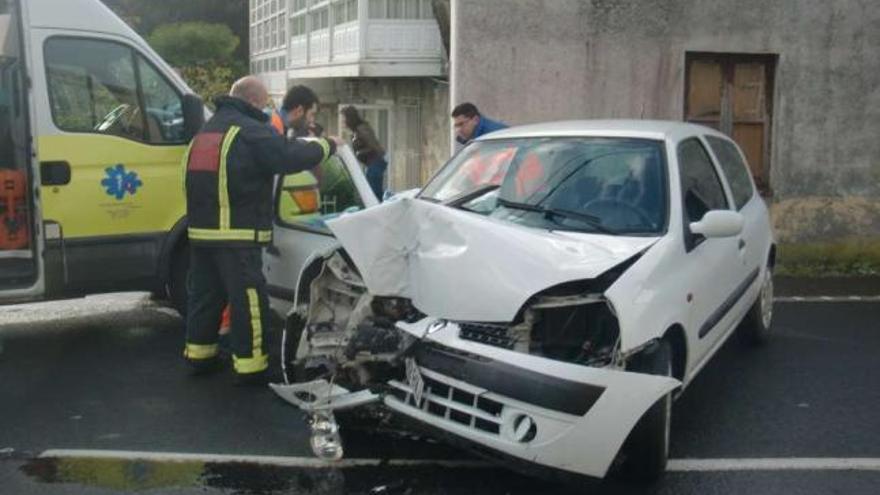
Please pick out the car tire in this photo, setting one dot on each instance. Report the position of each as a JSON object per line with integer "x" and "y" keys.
{"x": 177, "y": 279}
{"x": 755, "y": 327}
{"x": 646, "y": 450}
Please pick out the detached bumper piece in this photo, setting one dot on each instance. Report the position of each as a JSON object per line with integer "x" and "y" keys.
{"x": 321, "y": 395}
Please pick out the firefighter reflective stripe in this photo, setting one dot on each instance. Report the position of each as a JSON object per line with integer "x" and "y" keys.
{"x": 184, "y": 164}
{"x": 230, "y": 235}
{"x": 222, "y": 188}
{"x": 259, "y": 361}
{"x": 256, "y": 321}
{"x": 200, "y": 351}
{"x": 325, "y": 145}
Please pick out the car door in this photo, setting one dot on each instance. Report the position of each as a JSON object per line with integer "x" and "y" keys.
{"x": 755, "y": 240}
{"x": 303, "y": 203}
{"x": 713, "y": 267}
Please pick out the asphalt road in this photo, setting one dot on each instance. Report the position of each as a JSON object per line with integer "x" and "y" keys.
{"x": 106, "y": 374}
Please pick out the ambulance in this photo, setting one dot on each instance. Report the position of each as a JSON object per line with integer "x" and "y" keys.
{"x": 93, "y": 127}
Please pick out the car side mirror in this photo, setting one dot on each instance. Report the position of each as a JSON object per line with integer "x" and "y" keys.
{"x": 193, "y": 115}
{"x": 718, "y": 223}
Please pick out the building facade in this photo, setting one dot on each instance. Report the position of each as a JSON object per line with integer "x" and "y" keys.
{"x": 383, "y": 56}
{"x": 795, "y": 82}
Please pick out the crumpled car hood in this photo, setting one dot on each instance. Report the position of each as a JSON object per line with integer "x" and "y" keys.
{"x": 462, "y": 266}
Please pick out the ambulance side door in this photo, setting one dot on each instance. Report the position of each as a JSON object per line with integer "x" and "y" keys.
{"x": 113, "y": 124}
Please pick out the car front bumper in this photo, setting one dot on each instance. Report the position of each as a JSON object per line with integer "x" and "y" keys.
{"x": 554, "y": 414}
{"x": 549, "y": 413}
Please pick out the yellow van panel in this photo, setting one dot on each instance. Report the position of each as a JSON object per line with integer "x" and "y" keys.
{"x": 117, "y": 187}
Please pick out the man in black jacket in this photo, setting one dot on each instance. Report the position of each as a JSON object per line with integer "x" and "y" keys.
{"x": 230, "y": 167}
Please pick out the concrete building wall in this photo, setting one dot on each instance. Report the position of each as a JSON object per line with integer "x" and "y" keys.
{"x": 532, "y": 60}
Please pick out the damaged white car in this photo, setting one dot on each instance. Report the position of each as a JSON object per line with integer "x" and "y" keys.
{"x": 544, "y": 298}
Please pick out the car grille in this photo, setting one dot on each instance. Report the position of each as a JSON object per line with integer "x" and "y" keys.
{"x": 486, "y": 333}
{"x": 444, "y": 400}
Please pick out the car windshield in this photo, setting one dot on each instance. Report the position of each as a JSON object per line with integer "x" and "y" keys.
{"x": 604, "y": 185}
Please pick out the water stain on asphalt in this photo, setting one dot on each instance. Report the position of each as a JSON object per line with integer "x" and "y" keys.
{"x": 257, "y": 479}
{"x": 115, "y": 474}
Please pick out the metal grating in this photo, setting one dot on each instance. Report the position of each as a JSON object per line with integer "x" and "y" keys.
{"x": 453, "y": 404}
{"x": 486, "y": 333}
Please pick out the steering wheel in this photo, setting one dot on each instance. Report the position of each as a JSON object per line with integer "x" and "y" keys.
{"x": 122, "y": 117}
{"x": 617, "y": 204}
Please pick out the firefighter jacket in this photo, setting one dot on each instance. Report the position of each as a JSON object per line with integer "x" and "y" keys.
{"x": 230, "y": 167}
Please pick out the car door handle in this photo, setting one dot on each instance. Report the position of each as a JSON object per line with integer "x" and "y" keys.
{"x": 742, "y": 244}
{"x": 55, "y": 173}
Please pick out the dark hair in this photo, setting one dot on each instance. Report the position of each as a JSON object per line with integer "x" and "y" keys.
{"x": 352, "y": 117}
{"x": 299, "y": 96}
{"x": 468, "y": 110}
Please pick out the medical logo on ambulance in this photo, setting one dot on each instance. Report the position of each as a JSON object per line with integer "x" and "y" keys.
{"x": 118, "y": 181}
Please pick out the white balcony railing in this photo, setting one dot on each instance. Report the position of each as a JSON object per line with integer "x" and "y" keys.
{"x": 373, "y": 42}
{"x": 402, "y": 39}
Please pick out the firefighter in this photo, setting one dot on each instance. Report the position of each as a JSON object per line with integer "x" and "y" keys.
{"x": 230, "y": 167}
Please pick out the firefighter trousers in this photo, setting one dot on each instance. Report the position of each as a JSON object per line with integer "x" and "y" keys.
{"x": 218, "y": 275}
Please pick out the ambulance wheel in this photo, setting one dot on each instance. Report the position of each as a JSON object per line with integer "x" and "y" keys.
{"x": 646, "y": 450}
{"x": 177, "y": 279}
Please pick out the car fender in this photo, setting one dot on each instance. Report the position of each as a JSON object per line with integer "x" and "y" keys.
{"x": 649, "y": 297}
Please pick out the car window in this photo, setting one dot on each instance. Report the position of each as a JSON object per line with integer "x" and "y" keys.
{"x": 734, "y": 169}
{"x": 700, "y": 186}
{"x": 608, "y": 185}
{"x": 93, "y": 87}
{"x": 163, "y": 105}
{"x": 309, "y": 198}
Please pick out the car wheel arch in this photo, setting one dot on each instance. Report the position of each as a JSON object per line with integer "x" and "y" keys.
{"x": 675, "y": 335}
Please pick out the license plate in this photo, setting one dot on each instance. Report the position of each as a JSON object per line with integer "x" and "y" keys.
{"x": 415, "y": 381}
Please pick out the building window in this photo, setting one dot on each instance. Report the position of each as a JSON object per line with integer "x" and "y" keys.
{"x": 377, "y": 9}
{"x": 734, "y": 94}
{"x": 282, "y": 30}
{"x": 403, "y": 9}
{"x": 299, "y": 5}
{"x": 273, "y": 26}
{"x": 319, "y": 19}
{"x": 339, "y": 14}
{"x": 427, "y": 10}
{"x": 298, "y": 26}
{"x": 266, "y": 44}
{"x": 352, "y": 10}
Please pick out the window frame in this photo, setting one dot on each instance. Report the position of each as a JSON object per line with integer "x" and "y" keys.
{"x": 727, "y": 61}
{"x": 742, "y": 165}
{"x": 691, "y": 240}
{"x": 666, "y": 182}
{"x": 133, "y": 54}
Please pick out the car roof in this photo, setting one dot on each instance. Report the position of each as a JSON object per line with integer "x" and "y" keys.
{"x": 644, "y": 129}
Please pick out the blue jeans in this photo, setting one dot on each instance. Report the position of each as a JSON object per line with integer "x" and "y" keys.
{"x": 376, "y": 176}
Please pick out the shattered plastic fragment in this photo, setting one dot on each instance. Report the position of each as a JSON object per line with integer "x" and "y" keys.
{"x": 326, "y": 442}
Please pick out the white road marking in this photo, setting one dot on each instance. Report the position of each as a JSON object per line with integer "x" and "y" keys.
{"x": 826, "y": 299}
{"x": 281, "y": 461}
{"x": 675, "y": 465}
{"x": 777, "y": 464}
